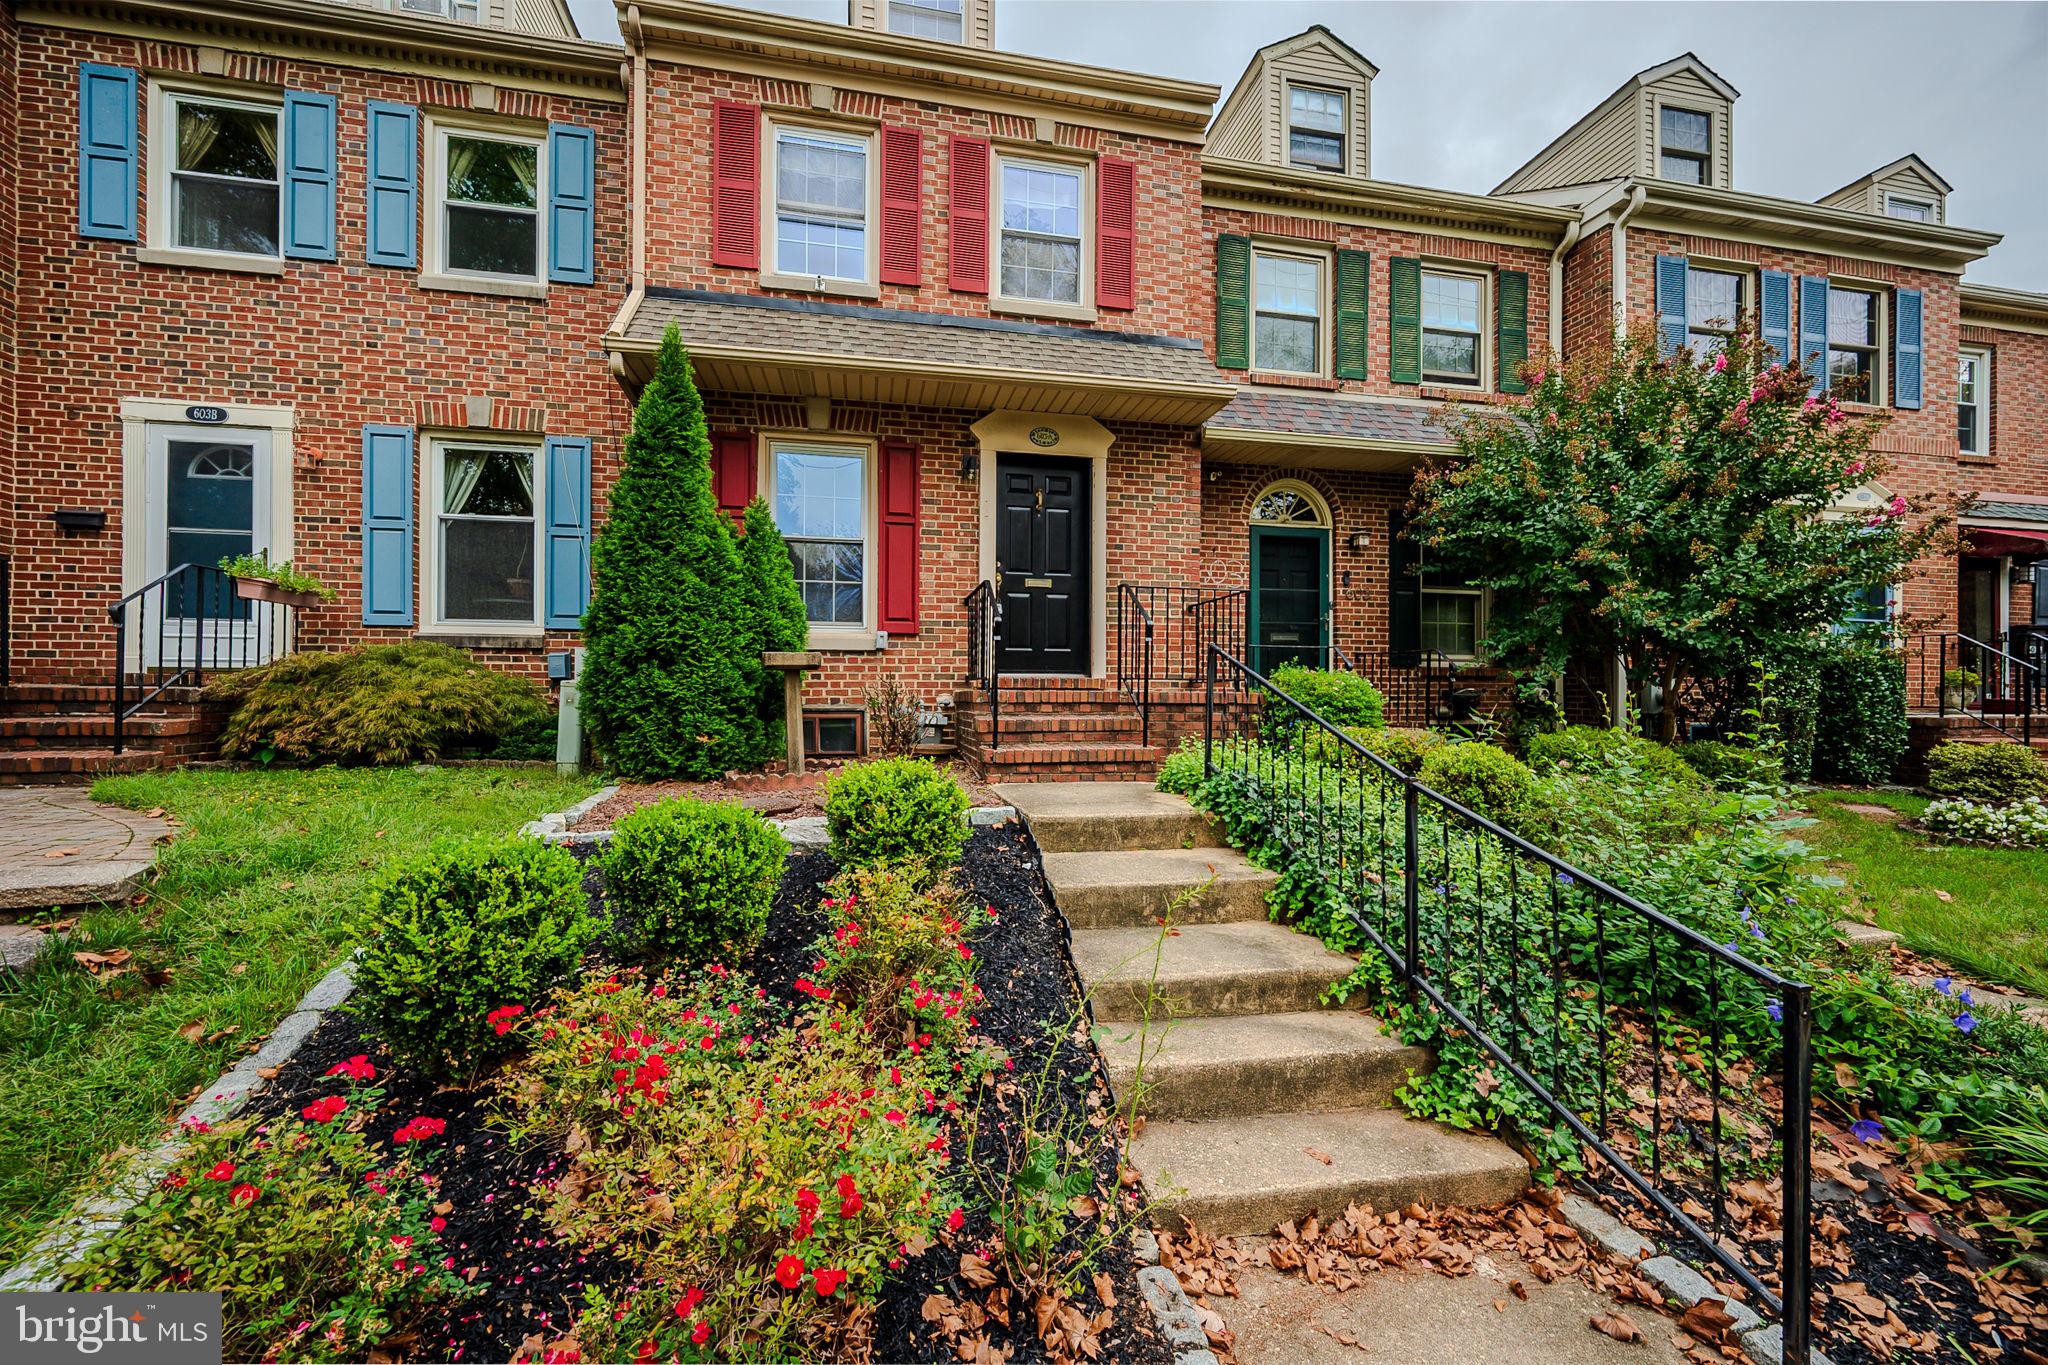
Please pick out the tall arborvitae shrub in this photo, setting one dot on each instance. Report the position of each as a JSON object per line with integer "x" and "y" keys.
{"x": 775, "y": 609}
{"x": 665, "y": 688}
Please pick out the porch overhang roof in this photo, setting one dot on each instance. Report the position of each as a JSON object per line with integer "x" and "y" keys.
{"x": 1310, "y": 430}
{"x": 1999, "y": 527}
{"x": 803, "y": 348}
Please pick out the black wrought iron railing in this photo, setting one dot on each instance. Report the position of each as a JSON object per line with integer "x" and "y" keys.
{"x": 1134, "y": 627}
{"x": 176, "y": 628}
{"x": 1421, "y": 688}
{"x": 1219, "y": 619}
{"x": 1952, "y": 674}
{"x": 984, "y": 641}
{"x": 1634, "y": 1037}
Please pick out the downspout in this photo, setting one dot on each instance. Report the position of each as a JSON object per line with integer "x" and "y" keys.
{"x": 635, "y": 77}
{"x": 1571, "y": 239}
{"x": 1617, "y": 697}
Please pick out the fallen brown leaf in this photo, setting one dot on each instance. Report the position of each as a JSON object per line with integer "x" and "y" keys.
{"x": 1616, "y": 1326}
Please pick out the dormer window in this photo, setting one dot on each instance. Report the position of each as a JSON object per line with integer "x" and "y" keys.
{"x": 1683, "y": 145}
{"x": 462, "y": 11}
{"x": 941, "y": 19}
{"x": 1912, "y": 210}
{"x": 1315, "y": 128}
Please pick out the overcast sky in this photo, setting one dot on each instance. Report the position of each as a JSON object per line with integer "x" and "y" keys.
{"x": 1467, "y": 92}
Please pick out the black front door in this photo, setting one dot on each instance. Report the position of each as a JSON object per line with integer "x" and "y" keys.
{"x": 1042, "y": 557}
{"x": 1290, "y": 596}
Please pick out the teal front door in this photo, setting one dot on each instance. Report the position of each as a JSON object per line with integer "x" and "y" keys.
{"x": 1289, "y": 613}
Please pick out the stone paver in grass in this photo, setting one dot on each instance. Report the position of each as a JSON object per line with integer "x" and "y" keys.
{"x": 59, "y": 847}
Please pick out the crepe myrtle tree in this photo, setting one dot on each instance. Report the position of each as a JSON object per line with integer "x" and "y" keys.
{"x": 1680, "y": 514}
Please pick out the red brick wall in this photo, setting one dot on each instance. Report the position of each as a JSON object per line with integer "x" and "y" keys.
{"x": 679, "y": 192}
{"x": 343, "y": 344}
{"x": 10, "y": 280}
{"x": 2017, "y": 462}
{"x": 1589, "y": 291}
{"x": 1384, "y": 244}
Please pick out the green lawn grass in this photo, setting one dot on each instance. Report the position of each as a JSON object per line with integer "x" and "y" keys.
{"x": 250, "y": 907}
{"x": 1994, "y": 927}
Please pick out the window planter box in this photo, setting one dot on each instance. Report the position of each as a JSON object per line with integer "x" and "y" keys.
{"x": 263, "y": 590}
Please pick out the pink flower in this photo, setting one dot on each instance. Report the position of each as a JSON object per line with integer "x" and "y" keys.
{"x": 1720, "y": 362}
{"x": 1898, "y": 506}
{"x": 1855, "y": 467}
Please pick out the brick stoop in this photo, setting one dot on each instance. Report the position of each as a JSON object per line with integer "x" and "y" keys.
{"x": 53, "y": 734}
{"x": 1261, "y": 1103}
{"x": 1054, "y": 729}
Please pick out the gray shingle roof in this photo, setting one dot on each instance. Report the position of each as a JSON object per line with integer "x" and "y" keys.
{"x": 2009, "y": 511}
{"x": 1323, "y": 414}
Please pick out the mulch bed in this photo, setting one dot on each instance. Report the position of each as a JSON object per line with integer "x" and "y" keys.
{"x": 929, "y": 1310}
{"x": 771, "y": 794}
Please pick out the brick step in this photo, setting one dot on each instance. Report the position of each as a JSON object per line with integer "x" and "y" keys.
{"x": 1111, "y": 721}
{"x": 1208, "y": 1068}
{"x": 1209, "y": 969}
{"x": 1070, "y": 763}
{"x": 50, "y": 729}
{"x": 59, "y": 698}
{"x": 1245, "y": 1174}
{"x": 1134, "y": 888}
{"x": 1101, "y": 817}
{"x": 54, "y": 767}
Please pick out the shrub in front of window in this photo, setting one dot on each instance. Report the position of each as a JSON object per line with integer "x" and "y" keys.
{"x": 400, "y": 703}
{"x": 1732, "y": 767}
{"x": 1860, "y": 735}
{"x": 1341, "y": 698}
{"x": 775, "y": 609}
{"x": 666, "y": 689}
{"x": 1480, "y": 777}
{"x": 1585, "y": 749}
{"x": 691, "y": 881}
{"x": 2024, "y": 823}
{"x": 1986, "y": 772}
{"x": 466, "y": 928}
{"x": 902, "y": 811}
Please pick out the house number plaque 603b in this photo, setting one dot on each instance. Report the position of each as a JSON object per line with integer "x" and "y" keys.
{"x": 1045, "y": 436}
{"x": 206, "y": 414}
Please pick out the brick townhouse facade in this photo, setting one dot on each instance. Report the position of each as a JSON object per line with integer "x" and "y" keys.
{"x": 372, "y": 286}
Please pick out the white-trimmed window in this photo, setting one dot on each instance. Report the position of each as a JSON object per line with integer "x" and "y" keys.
{"x": 1315, "y": 128}
{"x": 486, "y": 187}
{"x": 819, "y": 494}
{"x": 1713, "y": 306}
{"x": 1040, "y": 248}
{"x": 1287, "y": 308}
{"x": 1453, "y": 613}
{"x": 222, "y": 189}
{"x": 1973, "y": 401}
{"x": 1856, "y": 344}
{"x": 1912, "y": 210}
{"x": 1869, "y": 608}
{"x": 1453, "y": 334}
{"x": 941, "y": 19}
{"x": 821, "y": 203}
{"x": 1684, "y": 143}
{"x": 462, "y": 11}
{"x": 485, "y": 533}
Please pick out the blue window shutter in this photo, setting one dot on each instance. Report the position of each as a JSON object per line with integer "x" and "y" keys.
{"x": 107, "y": 184}
{"x": 392, "y": 185}
{"x": 1813, "y": 330}
{"x": 387, "y": 526}
{"x": 1906, "y": 367}
{"x": 572, "y": 204}
{"x": 308, "y": 176}
{"x": 1670, "y": 305}
{"x": 568, "y": 514}
{"x": 1776, "y": 314}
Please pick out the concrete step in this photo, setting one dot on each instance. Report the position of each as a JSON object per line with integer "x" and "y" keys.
{"x": 1216, "y": 1067}
{"x": 1101, "y": 817}
{"x": 1133, "y": 888}
{"x": 1248, "y": 1173}
{"x": 1205, "y": 969}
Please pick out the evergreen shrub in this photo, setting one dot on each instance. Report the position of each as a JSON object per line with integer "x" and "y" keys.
{"x": 1986, "y": 772}
{"x": 1481, "y": 777}
{"x": 901, "y": 811}
{"x": 691, "y": 881}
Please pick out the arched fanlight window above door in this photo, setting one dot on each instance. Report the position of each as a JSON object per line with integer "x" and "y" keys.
{"x": 1289, "y": 502}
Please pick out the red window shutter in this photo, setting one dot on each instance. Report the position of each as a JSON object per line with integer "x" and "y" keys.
{"x": 902, "y": 205}
{"x": 732, "y": 472}
{"x": 967, "y": 216}
{"x": 897, "y": 590}
{"x": 736, "y": 184}
{"x": 1116, "y": 233}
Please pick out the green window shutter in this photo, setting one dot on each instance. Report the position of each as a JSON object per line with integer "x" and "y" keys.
{"x": 1511, "y": 322}
{"x": 1233, "y": 302}
{"x": 1354, "y": 283}
{"x": 1404, "y": 320}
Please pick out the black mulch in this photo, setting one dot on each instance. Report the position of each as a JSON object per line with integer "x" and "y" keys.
{"x": 535, "y": 1282}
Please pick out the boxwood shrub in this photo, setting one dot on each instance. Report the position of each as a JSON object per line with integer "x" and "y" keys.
{"x": 903, "y": 811}
{"x": 691, "y": 881}
{"x": 1583, "y": 748}
{"x": 466, "y": 928}
{"x": 1481, "y": 777}
{"x": 1730, "y": 766}
{"x": 1341, "y": 698}
{"x": 1860, "y": 735}
{"x": 1986, "y": 772}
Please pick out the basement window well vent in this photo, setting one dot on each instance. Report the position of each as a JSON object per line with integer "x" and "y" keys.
{"x": 835, "y": 734}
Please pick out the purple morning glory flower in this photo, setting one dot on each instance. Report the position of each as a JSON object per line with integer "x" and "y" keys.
{"x": 1966, "y": 1021}
{"x": 1867, "y": 1130}
{"x": 1775, "y": 1010}
{"x": 1565, "y": 879}
{"x": 1964, "y": 998}
{"x": 1941, "y": 983}
{"x": 1756, "y": 931}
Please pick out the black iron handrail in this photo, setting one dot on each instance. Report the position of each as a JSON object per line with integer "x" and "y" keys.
{"x": 2006, "y": 685}
{"x": 984, "y": 645}
{"x": 1134, "y": 638}
{"x": 201, "y": 623}
{"x": 1286, "y": 759}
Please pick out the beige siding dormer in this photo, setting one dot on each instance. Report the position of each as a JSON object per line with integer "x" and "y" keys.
{"x": 1623, "y": 135}
{"x": 928, "y": 19}
{"x": 1254, "y": 123}
{"x": 1907, "y": 188}
{"x": 545, "y": 18}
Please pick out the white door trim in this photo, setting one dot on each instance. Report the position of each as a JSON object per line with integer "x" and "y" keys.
{"x": 1074, "y": 438}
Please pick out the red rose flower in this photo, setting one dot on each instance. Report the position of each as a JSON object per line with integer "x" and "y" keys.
{"x": 243, "y": 1194}
{"x": 324, "y": 1110}
{"x": 356, "y": 1068}
{"x": 789, "y": 1272}
{"x": 828, "y": 1281}
{"x": 956, "y": 1220}
{"x": 845, "y": 1186}
{"x": 224, "y": 1171}
{"x": 849, "y": 1206}
{"x": 701, "y": 1333}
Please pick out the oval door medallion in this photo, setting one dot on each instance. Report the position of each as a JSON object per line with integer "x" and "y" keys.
{"x": 1044, "y": 437}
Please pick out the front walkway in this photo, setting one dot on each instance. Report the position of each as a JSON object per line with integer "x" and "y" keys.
{"x": 59, "y": 847}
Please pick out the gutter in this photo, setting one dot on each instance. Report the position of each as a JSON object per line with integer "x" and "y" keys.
{"x": 1636, "y": 196}
{"x": 1571, "y": 239}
